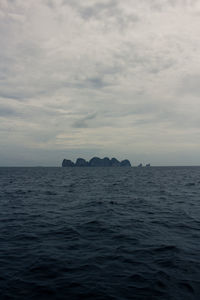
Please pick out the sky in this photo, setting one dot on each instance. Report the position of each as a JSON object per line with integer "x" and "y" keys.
{"x": 116, "y": 78}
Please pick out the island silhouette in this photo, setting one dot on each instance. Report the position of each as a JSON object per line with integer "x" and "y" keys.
{"x": 96, "y": 162}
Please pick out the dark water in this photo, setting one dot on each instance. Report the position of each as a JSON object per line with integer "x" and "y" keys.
{"x": 100, "y": 233}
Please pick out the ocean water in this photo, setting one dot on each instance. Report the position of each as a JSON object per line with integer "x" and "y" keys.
{"x": 100, "y": 233}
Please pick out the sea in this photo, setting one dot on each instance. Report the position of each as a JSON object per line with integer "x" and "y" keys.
{"x": 100, "y": 233}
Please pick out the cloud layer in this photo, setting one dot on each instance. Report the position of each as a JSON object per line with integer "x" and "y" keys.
{"x": 109, "y": 77}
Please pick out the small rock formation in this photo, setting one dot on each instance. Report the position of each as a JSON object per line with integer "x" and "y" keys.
{"x": 81, "y": 162}
{"x": 67, "y": 163}
{"x": 106, "y": 162}
{"x": 125, "y": 163}
{"x": 96, "y": 162}
{"x": 140, "y": 166}
{"x": 115, "y": 162}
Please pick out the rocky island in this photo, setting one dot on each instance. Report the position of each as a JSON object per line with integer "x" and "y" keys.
{"x": 96, "y": 162}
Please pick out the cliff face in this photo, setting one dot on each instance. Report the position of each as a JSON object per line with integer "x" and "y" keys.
{"x": 125, "y": 163}
{"x": 67, "y": 163}
{"x": 81, "y": 162}
{"x": 96, "y": 162}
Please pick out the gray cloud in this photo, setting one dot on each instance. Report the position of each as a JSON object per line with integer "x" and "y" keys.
{"x": 6, "y": 111}
{"x": 84, "y": 121}
{"x": 94, "y": 11}
{"x": 95, "y": 82}
{"x": 108, "y": 13}
{"x": 190, "y": 85}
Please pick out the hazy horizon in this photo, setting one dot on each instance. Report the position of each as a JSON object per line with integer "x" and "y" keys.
{"x": 99, "y": 78}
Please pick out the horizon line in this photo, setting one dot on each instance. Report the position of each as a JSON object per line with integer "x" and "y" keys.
{"x": 132, "y": 166}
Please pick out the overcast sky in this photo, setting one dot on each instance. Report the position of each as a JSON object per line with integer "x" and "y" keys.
{"x": 83, "y": 78}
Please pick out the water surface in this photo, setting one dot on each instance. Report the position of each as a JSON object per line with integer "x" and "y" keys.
{"x": 100, "y": 233}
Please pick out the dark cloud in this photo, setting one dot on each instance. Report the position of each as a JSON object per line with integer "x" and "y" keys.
{"x": 95, "y": 82}
{"x": 10, "y": 95}
{"x": 50, "y": 3}
{"x": 160, "y": 6}
{"x": 94, "y": 11}
{"x": 109, "y": 13}
{"x": 6, "y": 111}
{"x": 84, "y": 121}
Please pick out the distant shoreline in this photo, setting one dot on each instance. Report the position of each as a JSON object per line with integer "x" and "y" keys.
{"x": 96, "y": 162}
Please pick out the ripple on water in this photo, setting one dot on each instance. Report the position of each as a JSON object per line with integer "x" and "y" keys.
{"x": 100, "y": 233}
